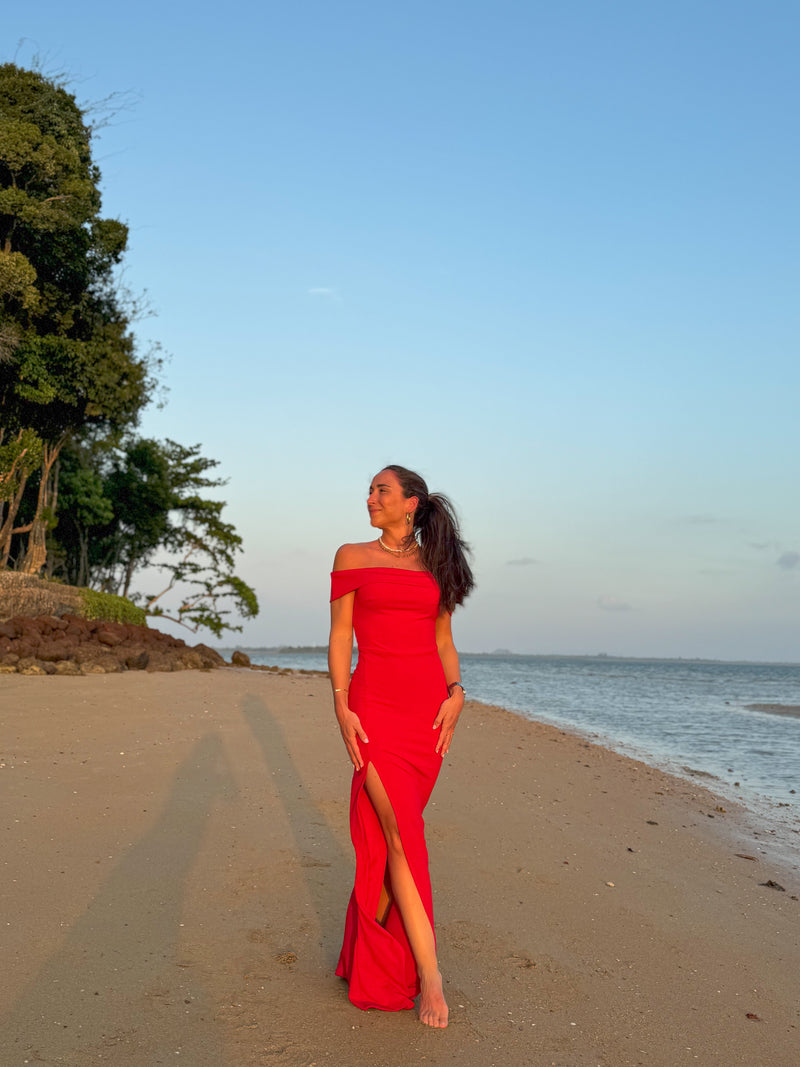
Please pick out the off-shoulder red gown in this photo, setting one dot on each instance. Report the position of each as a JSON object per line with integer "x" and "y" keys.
{"x": 396, "y": 691}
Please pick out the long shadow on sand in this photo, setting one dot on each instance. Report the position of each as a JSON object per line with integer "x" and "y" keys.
{"x": 319, "y": 854}
{"x": 115, "y": 990}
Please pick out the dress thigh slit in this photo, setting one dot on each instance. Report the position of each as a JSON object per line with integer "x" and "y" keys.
{"x": 376, "y": 959}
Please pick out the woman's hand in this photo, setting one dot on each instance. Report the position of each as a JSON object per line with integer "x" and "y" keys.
{"x": 446, "y": 720}
{"x": 352, "y": 732}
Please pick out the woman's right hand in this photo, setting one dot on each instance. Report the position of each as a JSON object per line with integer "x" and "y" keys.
{"x": 352, "y": 732}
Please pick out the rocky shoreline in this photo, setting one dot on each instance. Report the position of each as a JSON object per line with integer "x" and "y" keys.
{"x": 69, "y": 644}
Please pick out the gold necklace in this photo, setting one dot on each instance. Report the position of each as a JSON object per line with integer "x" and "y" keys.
{"x": 397, "y": 551}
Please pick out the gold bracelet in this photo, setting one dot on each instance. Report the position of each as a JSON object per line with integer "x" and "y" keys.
{"x": 340, "y": 690}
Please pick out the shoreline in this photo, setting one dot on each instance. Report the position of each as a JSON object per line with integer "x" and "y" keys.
{"x": 684, "y": 746}
{"x": 739, "y": 819}
{"x": 177, "y": 864}
{"x": 757, "y": 813}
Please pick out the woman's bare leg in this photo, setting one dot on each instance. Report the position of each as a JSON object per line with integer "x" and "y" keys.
{"x": 433, "y": 1009}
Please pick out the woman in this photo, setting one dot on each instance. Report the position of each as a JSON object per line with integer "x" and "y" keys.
{"x": 397, "y": 716}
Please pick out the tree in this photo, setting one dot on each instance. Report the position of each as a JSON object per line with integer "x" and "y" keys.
{"x": 146, "y": 511}
{"x": 74, "y": 482}
{"x": 68, "y": 358}
{"x": 84, "y": 508}
{"x": 20, "y": 454}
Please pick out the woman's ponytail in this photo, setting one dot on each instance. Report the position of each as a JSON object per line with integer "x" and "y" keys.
{"x": 443, "y": 551}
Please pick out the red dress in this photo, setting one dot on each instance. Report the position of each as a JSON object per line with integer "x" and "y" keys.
{"x": 396, "y": 691}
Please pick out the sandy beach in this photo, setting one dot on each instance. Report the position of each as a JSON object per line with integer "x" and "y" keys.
{"x": 176, "y": 866}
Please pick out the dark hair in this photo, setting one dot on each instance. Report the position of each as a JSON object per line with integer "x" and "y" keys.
{"x": 436, "y": 529}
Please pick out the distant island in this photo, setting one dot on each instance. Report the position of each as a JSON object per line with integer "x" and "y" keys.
{"x": 250, "y": 650}
{"x": 606, "y": 657}
{"x": 504, "y": 653}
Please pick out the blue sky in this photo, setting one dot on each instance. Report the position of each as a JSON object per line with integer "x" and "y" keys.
{"x": 544, "y": 253}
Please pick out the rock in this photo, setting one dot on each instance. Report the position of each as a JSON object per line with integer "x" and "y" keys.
{"x": 67, "y": 666}
{"x": 137, "y": 661}
{"x": 191, "y": 659}
{"x": 56, "y": 650}
{"x": 33, "y": 669}
{"x": 111, "y": 639}
{"x": 24, "y": 648}
{"x": 210, "y": 654}
{"x": 97, "y": 656}
{"x": 96, "y": 647}
{"x": 86, "y": 654}
{"x": 240, "y": 659}
{"x": 159, "y": 662}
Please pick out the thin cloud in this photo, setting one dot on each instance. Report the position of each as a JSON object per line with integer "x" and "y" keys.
{"x": 759, "y": 546}
{"x": 324, "y": 292}
{"x": 789, "y": 561}
{"x": 523, "y": 561}
{"x": 611, "y": 603}
{"x": 700, "y": 520}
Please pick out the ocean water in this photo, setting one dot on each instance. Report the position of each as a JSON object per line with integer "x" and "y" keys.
{"x": 684, "y": 716}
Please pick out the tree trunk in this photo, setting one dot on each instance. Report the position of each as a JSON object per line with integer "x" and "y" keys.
{"x": 83, "y": 564}
{"x": 18, "y": 472}
{"x": 7, "y": 528}
{"x": 129, "y": 569}
{"x": 50, "y": 562}
{"x": 36, "y": 553}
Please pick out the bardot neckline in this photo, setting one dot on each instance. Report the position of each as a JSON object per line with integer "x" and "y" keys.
{"x": 405, "y": 570}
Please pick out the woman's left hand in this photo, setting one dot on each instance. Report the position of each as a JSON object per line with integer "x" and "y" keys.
{"x": 446, "y": 720}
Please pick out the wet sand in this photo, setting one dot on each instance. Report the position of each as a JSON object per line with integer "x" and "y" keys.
{"x": 792, "y": 710}
{"x": 176, "y": 866}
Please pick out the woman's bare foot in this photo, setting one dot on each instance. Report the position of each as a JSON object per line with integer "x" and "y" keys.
{"x": 433, "y": 1010}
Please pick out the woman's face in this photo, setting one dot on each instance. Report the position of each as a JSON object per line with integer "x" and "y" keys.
{"x": 386, "y": 504}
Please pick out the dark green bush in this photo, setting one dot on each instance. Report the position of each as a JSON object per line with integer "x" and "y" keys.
{"x": 111, "y": 608}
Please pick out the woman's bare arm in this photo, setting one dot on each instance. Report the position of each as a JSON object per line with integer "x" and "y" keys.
{"x": 340, "y": 653}
{"x": 450, "y": 709}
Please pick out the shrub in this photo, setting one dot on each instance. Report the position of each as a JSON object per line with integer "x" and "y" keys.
{"x": 110, "y": 608}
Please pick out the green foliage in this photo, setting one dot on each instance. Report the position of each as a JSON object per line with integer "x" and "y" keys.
{"x": 18, "y": 281}
{"x": 79, "y": 492}
{"x": 209, "y": 601}
{"x": 68, "y": 357}
{"x": 110, "y": 608}
{"x": 203, "y": 550}
{"x": 18, "y": 457}
{"x": 140, "y": 507}
{"x": 82, "y": 488}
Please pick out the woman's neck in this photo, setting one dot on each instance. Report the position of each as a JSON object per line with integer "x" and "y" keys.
{"x": 397, "y": 545}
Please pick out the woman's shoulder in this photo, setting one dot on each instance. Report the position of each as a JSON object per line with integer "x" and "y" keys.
{"x": 351, "y": 557}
